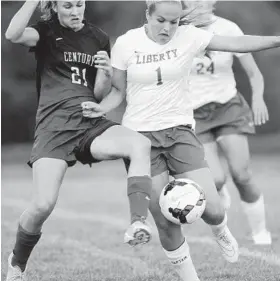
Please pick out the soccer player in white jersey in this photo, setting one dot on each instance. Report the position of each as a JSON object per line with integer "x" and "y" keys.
{"x": 224, "y": 119}
{"x": 151, "y": 64}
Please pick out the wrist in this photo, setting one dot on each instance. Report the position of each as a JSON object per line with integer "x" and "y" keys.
{"x": 103, "y": 107}
{"x": 257, "y": 97}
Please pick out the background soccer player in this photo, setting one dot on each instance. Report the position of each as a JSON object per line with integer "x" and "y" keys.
{"x": 151, "y": 64}
{"x": 69, "y": 51}
{"x": 223, "y": 117}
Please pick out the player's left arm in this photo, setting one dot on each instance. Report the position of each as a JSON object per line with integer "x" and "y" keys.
{"x": 243, "y": 44}
{"x": 257, "y": 84}
{"x": 103, "y": 81}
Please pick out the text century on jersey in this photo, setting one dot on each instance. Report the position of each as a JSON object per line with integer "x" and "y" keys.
{"x": 79, "y": 57}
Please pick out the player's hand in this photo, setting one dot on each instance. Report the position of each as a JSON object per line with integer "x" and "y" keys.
{"x": 102, "y": 61}
{"x": 260, "y": 111}
{"x": 92, "y": 109}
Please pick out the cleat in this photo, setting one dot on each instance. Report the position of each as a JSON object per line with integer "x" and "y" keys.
{"x": 228, "y": 245}
{"x": 225, "y": 197}
{"x": 138, "y": 233}
{"x": 14, "y": 272}
{"x": 262, "y": 238}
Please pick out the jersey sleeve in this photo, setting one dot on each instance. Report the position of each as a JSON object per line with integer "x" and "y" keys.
{"x": 118, "y": 54}
{"x": 200, "y": 39}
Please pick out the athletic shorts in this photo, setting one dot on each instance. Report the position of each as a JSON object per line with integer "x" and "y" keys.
{"x": 214, "y": 120}
{"x": 71, "y": 146}
{"x": 176, "y": 150}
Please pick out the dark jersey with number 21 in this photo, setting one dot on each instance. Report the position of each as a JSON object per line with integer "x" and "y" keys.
{"x": 66, "y": 74}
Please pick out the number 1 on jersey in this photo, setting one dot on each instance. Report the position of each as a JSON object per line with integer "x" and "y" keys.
{"x": 159, "y": 78}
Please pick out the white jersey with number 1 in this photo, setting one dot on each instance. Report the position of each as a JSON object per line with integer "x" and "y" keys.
{"x": 212, "y": 78}
{"x": 156, "y": 77}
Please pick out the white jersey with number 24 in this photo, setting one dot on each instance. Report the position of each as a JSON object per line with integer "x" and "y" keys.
{"x": 212, "y": 78}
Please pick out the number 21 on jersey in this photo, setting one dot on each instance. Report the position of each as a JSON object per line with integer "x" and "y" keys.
{"x": 79, "y": 76}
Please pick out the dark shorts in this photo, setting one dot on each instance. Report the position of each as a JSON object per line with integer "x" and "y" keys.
{"x": 176, "y": 150}
{"x": 70, "y": 145}
{"x": 214, "y": 120}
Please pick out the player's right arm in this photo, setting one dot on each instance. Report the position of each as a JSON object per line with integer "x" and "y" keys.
{"x": 111, "y": 101}
{"x": 119, "y": 63}
{"x": 17, "y": 31}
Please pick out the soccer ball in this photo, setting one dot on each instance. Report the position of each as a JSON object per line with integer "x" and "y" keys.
{"x": 182, "y": 201}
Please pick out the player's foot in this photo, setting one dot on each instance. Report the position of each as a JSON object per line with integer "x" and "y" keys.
{"x": 14, "y": 272}
{"x": 225, "y": 197}
{"x": 138, "y": 233}
{"x": 262, "y": 238}
{"x": 228, "y": 245}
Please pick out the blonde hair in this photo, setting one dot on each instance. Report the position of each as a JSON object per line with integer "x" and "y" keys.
{"x": 46, "y": 7}
{"x": 196, "y": 12}
{"x": 151, "y": 4}
{"x": 192, "y": 10}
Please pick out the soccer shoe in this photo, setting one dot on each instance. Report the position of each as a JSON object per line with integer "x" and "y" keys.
{"x": 228, "y": 245}
{"x": 138, "y": 233}
{"x": 262, "y": 238}
{"x": 225, "y": 197}
{"x": 14, "y": 272}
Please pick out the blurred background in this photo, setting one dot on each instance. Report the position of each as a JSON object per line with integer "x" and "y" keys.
{"x": 19, "y": 99}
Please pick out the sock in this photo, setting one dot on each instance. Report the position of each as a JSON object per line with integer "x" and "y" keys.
{"x": 182, "y": 262}
{"x": 25, "y": 242}
{"x": 219, "y": 228}
{"x": 139, "y": 193}
{"x": 255, "y": 213}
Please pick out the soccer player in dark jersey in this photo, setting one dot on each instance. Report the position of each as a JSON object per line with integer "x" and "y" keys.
{"x": 73, "y": 68}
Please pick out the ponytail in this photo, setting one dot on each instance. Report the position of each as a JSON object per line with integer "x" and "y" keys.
{"x": 46, "y": 7}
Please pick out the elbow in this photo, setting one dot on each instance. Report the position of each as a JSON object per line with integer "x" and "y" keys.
{"x": 256, "y": 76}
{"x": 10, "y": 37}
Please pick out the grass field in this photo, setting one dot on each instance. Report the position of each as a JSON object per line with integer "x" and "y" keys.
{"x": 82, "y": 240}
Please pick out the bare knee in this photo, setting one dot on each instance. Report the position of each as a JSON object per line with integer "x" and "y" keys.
{"x": 220, "y": 181}
{"x": 165, "y": 228}
{"x": 241, "y": 176}
{"x": 214, "y": 213}
{"x": 42, "y": 208}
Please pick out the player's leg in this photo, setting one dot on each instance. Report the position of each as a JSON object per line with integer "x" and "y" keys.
{"x": 208, "y": 118}
{"x": 187, "y": 160}
{"x": 236, "y": 149}
{"x": 218, "y": 172}
{"x": 120, "y": 142}
{"x": 171, "y": 237}
{"x": 214, "y": 214}
{"x": 47, "y": 178}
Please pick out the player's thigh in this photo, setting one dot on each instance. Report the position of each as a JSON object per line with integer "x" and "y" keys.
{"x": 236, "y": 150}
{"x": 48, "y": 174}
{"x": 213, "y": 159}
{"x": 118, "y": 141}
{"x": 185, "y": 152}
